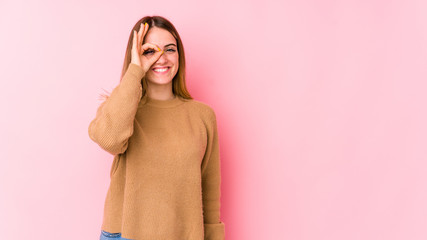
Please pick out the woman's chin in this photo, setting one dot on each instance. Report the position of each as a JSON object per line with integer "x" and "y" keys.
{"x": 159, "y": 81}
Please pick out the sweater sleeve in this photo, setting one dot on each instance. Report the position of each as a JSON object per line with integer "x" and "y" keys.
{"x": 114, "y": 121}
{"x": 214, "y": 229}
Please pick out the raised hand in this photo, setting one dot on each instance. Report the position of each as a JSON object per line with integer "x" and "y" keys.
{"x": 137, "y": 56}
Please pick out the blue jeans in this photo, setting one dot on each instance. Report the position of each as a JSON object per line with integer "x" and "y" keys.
{"x": 111, "y": 236}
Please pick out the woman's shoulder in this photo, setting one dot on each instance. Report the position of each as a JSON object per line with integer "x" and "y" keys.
{"x": 201, "y": 107}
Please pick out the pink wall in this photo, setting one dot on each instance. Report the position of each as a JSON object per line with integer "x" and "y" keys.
{"x": 321, "y": 109}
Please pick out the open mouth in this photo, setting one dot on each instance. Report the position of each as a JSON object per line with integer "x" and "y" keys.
{"x": 161, "y": 70}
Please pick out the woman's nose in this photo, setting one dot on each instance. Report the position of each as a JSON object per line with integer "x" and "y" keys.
{"x": 162, "y": 58}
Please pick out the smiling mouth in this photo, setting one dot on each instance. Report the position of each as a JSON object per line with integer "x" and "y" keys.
{"x": 161, "y": 70}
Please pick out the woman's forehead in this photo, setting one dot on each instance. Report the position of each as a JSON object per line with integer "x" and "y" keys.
{"x": 159, "y": 36}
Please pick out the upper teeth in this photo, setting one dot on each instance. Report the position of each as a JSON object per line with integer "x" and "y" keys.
{"x": 160, "y": 69}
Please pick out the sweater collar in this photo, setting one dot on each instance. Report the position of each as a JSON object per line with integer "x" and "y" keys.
{"x": 161, "y": 103}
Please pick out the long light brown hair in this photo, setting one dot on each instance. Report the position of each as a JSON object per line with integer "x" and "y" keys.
{"x": 179, "y": 87}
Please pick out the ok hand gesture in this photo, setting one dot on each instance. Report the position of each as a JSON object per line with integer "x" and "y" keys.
{"x": 137, "y": 51}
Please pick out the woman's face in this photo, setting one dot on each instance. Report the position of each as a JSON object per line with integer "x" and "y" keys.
{"x": 170, "y": 58}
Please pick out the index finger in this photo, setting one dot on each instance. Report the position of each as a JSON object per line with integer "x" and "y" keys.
{"x": 143, "y": 32}
{"x": 147, "y": 46}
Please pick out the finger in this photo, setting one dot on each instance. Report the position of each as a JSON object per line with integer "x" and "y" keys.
{"x": 159, "y": 54}
{"x": 143, "y": 33}
{"x": 134, "y": 40}
{"x": 138, "y": 42}
{"x": 154, "y": 59}
{"x": 147, "y": 46}
{"x": 141, "y": 29}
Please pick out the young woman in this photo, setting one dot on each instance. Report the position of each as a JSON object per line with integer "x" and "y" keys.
{"x": 165, "y": 176}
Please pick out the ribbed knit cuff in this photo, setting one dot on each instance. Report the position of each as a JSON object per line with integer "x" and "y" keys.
{"x": 131, "y": 81}
{"x": 214, "y": 231}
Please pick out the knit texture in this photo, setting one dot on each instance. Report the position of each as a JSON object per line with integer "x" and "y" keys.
{"x": 165, "y": 177}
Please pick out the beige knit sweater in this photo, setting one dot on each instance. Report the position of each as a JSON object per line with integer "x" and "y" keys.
{"x": 165, "y": 176}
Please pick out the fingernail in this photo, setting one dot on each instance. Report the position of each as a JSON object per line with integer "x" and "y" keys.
{"x": 159, "y": 49}
{"x": 145, "y": 24}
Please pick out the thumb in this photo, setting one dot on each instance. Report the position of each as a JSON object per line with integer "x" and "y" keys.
{"x": 156, "y": 56}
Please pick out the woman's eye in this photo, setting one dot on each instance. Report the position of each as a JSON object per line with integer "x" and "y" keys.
{"x": 151, "y": 51}
{"x": 148, "y": 51}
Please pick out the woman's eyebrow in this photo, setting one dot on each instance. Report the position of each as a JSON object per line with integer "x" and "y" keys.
{"x": 170, "y": 44}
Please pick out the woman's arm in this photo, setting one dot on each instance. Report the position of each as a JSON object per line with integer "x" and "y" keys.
{"x": 211, "y": 183}
{"x": 113, "y": 123}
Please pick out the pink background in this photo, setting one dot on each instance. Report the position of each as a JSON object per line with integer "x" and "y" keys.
{"x": 321, "y": 110}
